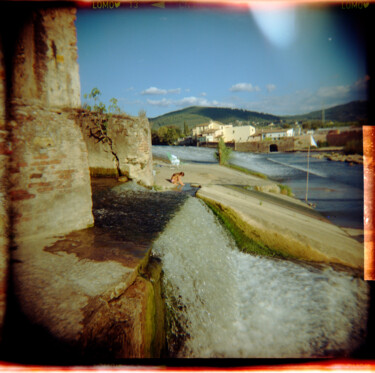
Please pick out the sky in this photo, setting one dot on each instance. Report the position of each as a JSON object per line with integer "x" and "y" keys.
{"x": 282, "y": 61}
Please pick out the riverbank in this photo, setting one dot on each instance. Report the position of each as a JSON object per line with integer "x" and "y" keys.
{"x": 340, "y": 157}
{"x": 281, "y": 221}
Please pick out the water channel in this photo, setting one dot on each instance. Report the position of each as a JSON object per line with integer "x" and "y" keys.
{"x": 224, "y": 303}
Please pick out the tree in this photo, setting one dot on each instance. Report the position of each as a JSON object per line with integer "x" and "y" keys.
{"x": 186, "y": 129}
{"x": 223, "y": 153}
{"x": 98, "y": 106}
{"x": 167, "y": 135}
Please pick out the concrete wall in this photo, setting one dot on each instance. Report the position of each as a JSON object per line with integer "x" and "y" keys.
{"x": 283, "y": 145}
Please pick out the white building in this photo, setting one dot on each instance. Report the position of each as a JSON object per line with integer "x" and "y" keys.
{"x": 238, "y": 134}
{"x": 276, "y": 134}
{"x": 213, "y": 131}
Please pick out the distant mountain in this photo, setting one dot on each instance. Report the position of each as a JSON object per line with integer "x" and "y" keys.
{"x": 194, "y": 115}
{"x": 350, "y": 112}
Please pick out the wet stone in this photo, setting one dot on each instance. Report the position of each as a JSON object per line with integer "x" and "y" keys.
{"x": 136, "y": 216}
{"x": 128, "y": 217}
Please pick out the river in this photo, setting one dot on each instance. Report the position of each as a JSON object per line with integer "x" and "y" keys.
{"x": 336, "y": 188}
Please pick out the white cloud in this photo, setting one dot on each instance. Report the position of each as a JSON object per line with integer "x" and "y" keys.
{"x": 164, "y": 102}
{"x": 330, "y": 92}
{"x": 175, "y": 91}
{"x": 158, "y": 91}
{"x": 270, "y": 87}
{"x": 244, "y": 87}
{"x": 344, "y": 93}
{"x": 154, "y": 91}
{"x": 192, "y": 101}
{"x": 305, "y": 101}
{"x": 298, "y": 102}
{"x": 188, "y": 101}
{"x": 204, "y": 94}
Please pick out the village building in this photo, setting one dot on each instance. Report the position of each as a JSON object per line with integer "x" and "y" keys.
{"x": 213, "y": 131}
{"x": 275, "y": 134}
{"x": 238, "y": 134}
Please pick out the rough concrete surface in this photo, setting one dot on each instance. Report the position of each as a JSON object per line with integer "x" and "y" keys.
{"x": 285, "y": 228}
{"x": 102, "y": 309}
{"x": 203, "y": 174}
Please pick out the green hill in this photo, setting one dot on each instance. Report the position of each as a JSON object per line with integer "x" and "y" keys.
{"x": 195, "y": 115}
{"x": 350, "y": 112}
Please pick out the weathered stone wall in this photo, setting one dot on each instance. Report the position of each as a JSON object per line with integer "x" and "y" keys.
{"x": 50, "y": 184}
{"x": 45, "y": 68}
{"x": 44, "y": 176}
{"x": 129, "y": 326}
{"x": 45, "y": 191}
{"x": 127, "y": 151}
{"x": 341, "y": 138}
{"x": 283, "y": 145}
{"x": 3, "y": 192}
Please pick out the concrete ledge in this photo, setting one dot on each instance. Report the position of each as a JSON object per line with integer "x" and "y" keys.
{"x": 286, "y": 227}
{"x": 207, "y": 174}
{"x": 92, "y": 298}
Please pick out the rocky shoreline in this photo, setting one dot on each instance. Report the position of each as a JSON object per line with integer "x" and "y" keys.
{"x": 339, "y": 157}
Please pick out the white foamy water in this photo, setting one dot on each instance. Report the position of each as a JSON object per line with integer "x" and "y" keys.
{"x": 229, "y": 304}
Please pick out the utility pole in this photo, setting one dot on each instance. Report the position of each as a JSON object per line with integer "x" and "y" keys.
{"x": 307, "y": 174}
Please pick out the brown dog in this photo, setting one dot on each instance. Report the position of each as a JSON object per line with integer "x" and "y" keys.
{"x": 176, "y": 178}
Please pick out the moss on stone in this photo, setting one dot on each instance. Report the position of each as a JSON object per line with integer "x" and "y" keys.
{"x": 246, "y": 171}
{"x": 245, "y": 240}
{"x": 103, "y": 172}
{"x": 155, "y": 334}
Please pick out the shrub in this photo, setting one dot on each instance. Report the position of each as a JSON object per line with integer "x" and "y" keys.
{"x": 223, "y": 153}
{"x": 354, "y": 147}
{"x": 285, "y": 189}
{"x": 322, "y": 144}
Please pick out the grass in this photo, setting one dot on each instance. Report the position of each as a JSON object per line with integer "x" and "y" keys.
{"x": 285, "y": 189}
{"x": 246, "y": 171}
{"x": 244, "y": 243}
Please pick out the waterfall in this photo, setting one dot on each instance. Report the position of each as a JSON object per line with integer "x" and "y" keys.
{"x": 224, "y": 303}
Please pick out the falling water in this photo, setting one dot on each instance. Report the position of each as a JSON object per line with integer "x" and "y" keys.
{"x": 223, "y": 303}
